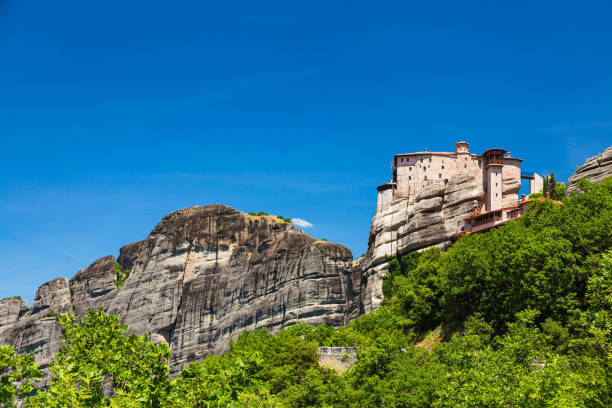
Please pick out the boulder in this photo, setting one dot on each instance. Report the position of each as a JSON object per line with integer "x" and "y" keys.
{"x": 595, "y": 169}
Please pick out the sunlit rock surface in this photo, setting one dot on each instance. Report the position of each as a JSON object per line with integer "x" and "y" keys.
{"x": 434, "y": 217}
{"x": 201, "y": 277}
{"x": 594, "y": 169}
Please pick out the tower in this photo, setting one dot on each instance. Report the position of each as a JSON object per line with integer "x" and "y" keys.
{"x": 461, "y": 147}
{"x": 494, "y": 164}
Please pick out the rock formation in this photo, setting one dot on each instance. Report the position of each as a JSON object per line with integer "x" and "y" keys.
{"x": 434, "y": 217}
{"x": 201, "y": 277}
{"x": 595, "y": 169}
{"x": 11, "y": 309}
{"x": 37, "y": 330}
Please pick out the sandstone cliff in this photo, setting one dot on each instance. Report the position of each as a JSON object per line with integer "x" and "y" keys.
{"x": 202, "y": 276}
{"x": 595, "y": 169}
{"x": 434, "y": 217}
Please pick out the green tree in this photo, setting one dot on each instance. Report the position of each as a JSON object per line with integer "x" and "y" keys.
{"x": 16, "y": 375}
{"x": 100, "y": 365}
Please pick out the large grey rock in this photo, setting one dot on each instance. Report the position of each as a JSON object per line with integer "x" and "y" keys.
{"x": 53, "y": 295}
{"x": 94, "y": 285}
{"x": 595, "y": 169}
{"x": 201, "y": 277}
{"x": 205, "y": 274}
{"x": 434, "y": 217}
{"x": 11, "y": 309}
{"x": 128, "y": 254}
{"x": 37, "y": 331}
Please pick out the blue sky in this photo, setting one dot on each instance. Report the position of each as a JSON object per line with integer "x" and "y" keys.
{"x": 114, "y": 113}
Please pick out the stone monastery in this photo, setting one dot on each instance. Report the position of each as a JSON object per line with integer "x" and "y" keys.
{"x": 495, "y": 171}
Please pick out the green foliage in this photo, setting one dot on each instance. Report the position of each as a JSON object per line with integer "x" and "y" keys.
{"x": 526, "y": 311}
{"x": 10, "y": 297}
{"x": 17, "y": 372}
{"x": 97, "y": 354}
{"x": 220, "y": 230}
{"x": 550, "y": 185}
{"x": 121, "y": 274}
{"x": 52, "y": 313}
{"x": 542, "y": 261}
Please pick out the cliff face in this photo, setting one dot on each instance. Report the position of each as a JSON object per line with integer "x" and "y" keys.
{"x": 36, "y": 330}
{"x": 595, "y": 169}
{"x": 434, "y": 217}
{"x": 202, "y": 276}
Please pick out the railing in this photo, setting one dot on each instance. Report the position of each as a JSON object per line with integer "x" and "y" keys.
{"x": 495, "y": 160}
{"x": 527, "y": 174}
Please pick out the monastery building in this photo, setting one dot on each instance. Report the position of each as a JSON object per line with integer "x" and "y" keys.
{"x": 495, "y": 171}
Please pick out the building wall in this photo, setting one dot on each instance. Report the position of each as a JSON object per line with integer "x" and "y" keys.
{"x": 493, "y": 188}
{"x": 415, "y": 172}
{"x": 536, "y": 184}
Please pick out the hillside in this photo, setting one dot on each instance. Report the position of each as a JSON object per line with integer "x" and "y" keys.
{"x": 220, "y": 308}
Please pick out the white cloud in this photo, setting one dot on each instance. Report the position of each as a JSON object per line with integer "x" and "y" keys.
{"x": 301, "y": 223}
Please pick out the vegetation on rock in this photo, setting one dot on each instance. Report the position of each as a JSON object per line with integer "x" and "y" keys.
{"x": 520, "y": 316}
{"x": 17, "y": 372}
{"x": 121, "y": 274}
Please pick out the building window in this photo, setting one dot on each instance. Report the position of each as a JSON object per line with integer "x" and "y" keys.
{"x": 409, "y": 177}
{"x": 465, "y": 166}
{"x": 495, "y": 184}
{"x": 410, "y": 168}
{"x": 442, "y": 167}
{"x": 440, "y": 175}
{"x": 402, "y": 159}
{"x": 425, "y": 178}
{"x": 495, "y": 194}
{"x": 424, "y": 168}
{"x": 479, "y": 163}
{"x": 430, "y": 159}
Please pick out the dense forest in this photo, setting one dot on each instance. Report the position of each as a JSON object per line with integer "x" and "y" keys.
{"x": 520, "y": 316}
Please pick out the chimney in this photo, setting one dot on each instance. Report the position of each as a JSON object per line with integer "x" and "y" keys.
{"x": 425, "y": 149}
{"x": 475, "y": 211}
{"x": 548, "y": 195}
{"x": 507, "y": 154}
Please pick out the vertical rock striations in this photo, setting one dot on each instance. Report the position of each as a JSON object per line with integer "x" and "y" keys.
{"x": 434, "y": 217}
{"x": 37, "y": 330}
{"x": 595, "y": 169}
{"x": 94, "y": 285}
{"x": 202, "y": 276}
{"x": 11, "y": 309}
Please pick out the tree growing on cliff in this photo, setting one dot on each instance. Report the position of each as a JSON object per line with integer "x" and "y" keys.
{"x": 17, "y": 371}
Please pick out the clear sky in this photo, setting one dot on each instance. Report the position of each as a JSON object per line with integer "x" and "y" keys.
{"x": 115, "y": 113}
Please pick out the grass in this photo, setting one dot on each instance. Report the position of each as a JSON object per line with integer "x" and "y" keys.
{"x": 430, "y": 338}
{"x": 11, "y": 297}
{"x": 52, "y": 313}
{"x": 279, "y": 219}
{"x": 338, "y": 366}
